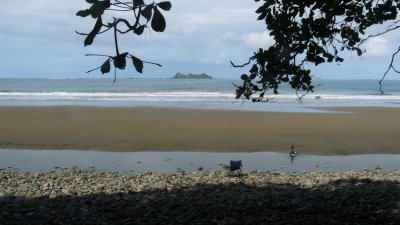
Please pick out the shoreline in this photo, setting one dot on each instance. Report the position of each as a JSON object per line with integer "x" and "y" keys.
{"x": 128, "y": 129}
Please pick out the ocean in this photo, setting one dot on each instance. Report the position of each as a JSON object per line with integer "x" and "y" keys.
{"x": 203, "y": 94}
{"x": 197, "y": 94}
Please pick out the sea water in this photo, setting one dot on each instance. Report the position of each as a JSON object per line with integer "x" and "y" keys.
{"x": 204, "y": 94}
{"x": 171, "y": 162}
{"x": 201, "y": 94}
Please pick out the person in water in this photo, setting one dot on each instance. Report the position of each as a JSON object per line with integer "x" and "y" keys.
{"x": 292, "y": 153}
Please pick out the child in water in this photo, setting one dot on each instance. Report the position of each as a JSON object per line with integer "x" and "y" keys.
{"x": 292, "y": 152}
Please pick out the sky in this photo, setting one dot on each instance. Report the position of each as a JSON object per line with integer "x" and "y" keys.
{"x": 38, "y": 40}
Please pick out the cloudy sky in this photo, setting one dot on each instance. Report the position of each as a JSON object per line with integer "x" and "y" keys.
{"x": 38, "y": 39}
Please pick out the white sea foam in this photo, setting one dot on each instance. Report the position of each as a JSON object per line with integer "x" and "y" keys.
{"x": 174, "y": 96}
{"x": 110, "y": 96}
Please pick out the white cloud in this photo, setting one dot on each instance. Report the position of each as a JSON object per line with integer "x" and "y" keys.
{"x": 258, "y": 40}
{"x": 377, "y": 46}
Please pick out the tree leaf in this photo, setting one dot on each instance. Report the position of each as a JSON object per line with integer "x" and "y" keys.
{"x": 97, "y": 9}
{"x": 165, "y": 5}
{"x": 147, "y": 12}
{"x": 137, "y": 3}
{"x": 158, "y": 22}
{"x": 91, "y": 1}
{"x": 83, "y": 13}
{"x": 107, "y": 4}
{"x": 105, "y": 68}
{"x": 120, "y": 61}
{"x": 137, "y": 63}
{"x": 338, "y": 59}
{"x": 97, "y": 27}
{"x": 139, "y": 30}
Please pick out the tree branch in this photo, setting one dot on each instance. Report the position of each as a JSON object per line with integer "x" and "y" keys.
{"x": 390, "y": 67}
{"x": 238, "y": 66}
{"x": 116, "y": 39}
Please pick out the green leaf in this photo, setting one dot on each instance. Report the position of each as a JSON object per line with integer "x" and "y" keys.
{"x": 137, "y": 63}
{"x": 158, "y": 22}
{"x": 83, "y": 13}
{"x": 139, "y": 30}
{"x": 97, "y": 27}
{"x": 105, "y": 68}
{"x": 165, "y": 5}
{"x": 147, "y": 12}
{"x": 120, "y": 61}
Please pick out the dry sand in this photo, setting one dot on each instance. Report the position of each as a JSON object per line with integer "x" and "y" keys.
{"x": 365, "y": 130}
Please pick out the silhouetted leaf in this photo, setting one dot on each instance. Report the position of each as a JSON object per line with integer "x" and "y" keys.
{"x": 97, "y": 27}
{"x": 359, "y": 52}
{"x": 89, "y": 39}
{"x": 139, "y": 30}
{"x": 338, "y": 59}
{"x": 244, "y": 77}
{"x": 138, "y": 64}
{"x": 147, "y": 12}
{"x": 91, "y": 1}
{"x": 97, "y": 9}
{"x": 137, "y": 3}
{"x": 165, "y": 5}
{"x": 105, "y": 68}
{"x": 120, "y": 61}
{"x": 107, "y": 4}
{"x": 254, "y": 69}
{"x": 83, "y": 13}
{"x": 158, "y": 22}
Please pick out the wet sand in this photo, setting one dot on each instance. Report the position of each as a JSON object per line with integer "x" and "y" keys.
{"x": 365, "y": 130}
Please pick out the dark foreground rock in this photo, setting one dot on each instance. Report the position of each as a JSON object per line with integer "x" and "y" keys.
{"x": 89, "y": 197}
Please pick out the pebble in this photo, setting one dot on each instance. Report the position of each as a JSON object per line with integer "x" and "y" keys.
{"x": 93, "y": 197}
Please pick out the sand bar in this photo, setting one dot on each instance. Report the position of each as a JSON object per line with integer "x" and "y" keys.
{"x": 365, "y": 130}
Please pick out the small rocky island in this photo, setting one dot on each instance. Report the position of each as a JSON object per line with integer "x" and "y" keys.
{"x": 191, "y": 76}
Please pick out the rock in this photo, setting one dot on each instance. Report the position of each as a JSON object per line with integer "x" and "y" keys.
{"x": 199, "y": 197}
{"x": 191, "y": 76}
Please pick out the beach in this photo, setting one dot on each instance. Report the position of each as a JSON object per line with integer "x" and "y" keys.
{"x": 91, "y": 197}
{"x": 341, "y": 131}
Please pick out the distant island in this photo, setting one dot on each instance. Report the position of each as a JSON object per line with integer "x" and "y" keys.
{"x": 191, "y": 76}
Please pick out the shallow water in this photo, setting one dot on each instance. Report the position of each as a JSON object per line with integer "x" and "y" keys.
{"x": 170, "y": 162}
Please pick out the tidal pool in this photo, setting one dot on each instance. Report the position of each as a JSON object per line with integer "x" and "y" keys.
{"x": 170, "y": 162}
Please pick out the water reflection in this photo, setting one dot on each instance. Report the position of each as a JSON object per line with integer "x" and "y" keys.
{"x": 169, "y": 162}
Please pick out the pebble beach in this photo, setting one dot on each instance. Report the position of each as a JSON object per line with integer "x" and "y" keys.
{"x": 92, "y": 197}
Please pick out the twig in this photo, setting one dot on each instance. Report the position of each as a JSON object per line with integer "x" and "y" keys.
{"x": 237, "y": 66}
{"x": 390, "y": 67}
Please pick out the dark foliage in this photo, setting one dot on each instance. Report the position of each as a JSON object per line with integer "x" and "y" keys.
{"x": 142, "y": 15}
{"x": 314, "y": 31}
